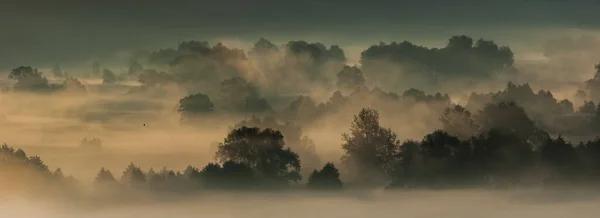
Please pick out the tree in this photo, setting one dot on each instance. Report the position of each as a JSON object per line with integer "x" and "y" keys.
{"x": 73, "y": 85}
{"x": 105, "y": 177}
{"x": 29, "y": 79}
{"x": 231, "y": 175}
{"x": 588, "y": 107}
{"x": 194, "y": 105}
{"x": 501, "y": 154}
{"x": 263, "y": 151}
{"x": 457, "y": 121}
{"x": 133, "y": 176}
{"x": 350, "y": 78}
{"x": 108, "y": 77}
{"x": 371, "y": 151}
{"x": 559, "y": 154}
{"x": 327, "y": 178}
{"x": 508, "y": 117}
{"x": 446, "y": 157}
{"x": 238, "y": 95}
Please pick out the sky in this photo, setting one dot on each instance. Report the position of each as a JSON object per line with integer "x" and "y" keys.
{"x": 42, "y": 32}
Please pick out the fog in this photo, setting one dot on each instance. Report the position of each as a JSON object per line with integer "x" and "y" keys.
{"x": 410, "y": 204}
{"x": 299, "y": 109}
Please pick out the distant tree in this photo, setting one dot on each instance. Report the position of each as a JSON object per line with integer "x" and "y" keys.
{"x": 312, "y": 60}
{"x": 302, "y": 110}
{"x": 327, "y": 178}
{"x": 501, "y": 154}
{"x": 409, "y": 168}
{"x": 105, "y": 177}
{"x": 294, "y": 139}
{"x": 559, "y": 154}
{"x": 371, "y": 151}
{"x": 238, "y": 95}
{"x": 133, "y": 176}
{"x": 457, "y": 121}
{"x": 72, "y": 84}
{"x": 108, "y": 77}
{"x": 447, "y": 157}
{"x": 350, "y": 78}
{"x": 508, "y": 117}
{"x": 263, "y": 151}
{"x": 29, "y": 79}
{"x": 262, "y": 47}
{"x": 588, "y": 107}
{"x": 194, "y": 105}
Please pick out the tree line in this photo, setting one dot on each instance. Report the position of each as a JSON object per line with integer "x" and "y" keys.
{"x": 499, "y": 146}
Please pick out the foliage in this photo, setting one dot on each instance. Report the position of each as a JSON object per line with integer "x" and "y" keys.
{"x": 327, "y": 178}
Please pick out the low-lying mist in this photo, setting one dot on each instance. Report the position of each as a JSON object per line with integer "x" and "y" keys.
{"x": 293, "y": 130}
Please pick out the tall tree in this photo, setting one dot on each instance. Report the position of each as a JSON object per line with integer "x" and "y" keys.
{"x": 371, "y": 151}
{"x": 263, "y": 151}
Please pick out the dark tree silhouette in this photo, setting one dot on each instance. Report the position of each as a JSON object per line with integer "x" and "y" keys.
{"x": 588, "y": 107}
{"x": 328, "y": 178}
{"x": 560, "y": 155}
{"x": 508, "y": 117}
{"x": 294, "y": 139}
{"x": 194, "y": 105}
{"x": 263, "y": 151}
{"x": 104, "y": 176}
{"x": 371, "y": 151}
{"x": 73, "y": 85}
{"x": 133, "y": 176}
{"x": 29, "y": 79}
{"x": 350, "y": 78}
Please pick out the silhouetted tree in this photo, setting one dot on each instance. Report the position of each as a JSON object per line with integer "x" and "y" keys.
{"x": 73, "y": 85}
{"x": 446, "y": 158}
{"x": 194, "y": 105}
{"x": 263, "y": 151}
{"x": 588, "y": 107}
{"x": 328, "y": 178}
{"x": 104, "y": 176}
{"x": 133, "y": 176}
{"x": 371, "y": 151}
{"x": 508, "y": 117}
{"x": 350, "y": 78}
{"x": 560, "y": 155}
{"x": 29, "y": 79}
